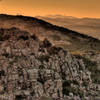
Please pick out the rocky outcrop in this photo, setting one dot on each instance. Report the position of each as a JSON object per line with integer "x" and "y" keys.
{"x": 31, "y": 69}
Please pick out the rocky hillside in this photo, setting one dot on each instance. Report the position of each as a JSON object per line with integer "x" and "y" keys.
{"x": 31, "y": 69}
{"x": 89, "y": 26}
{"x": 59, "y": 36}
{"x": 76, "y": 43}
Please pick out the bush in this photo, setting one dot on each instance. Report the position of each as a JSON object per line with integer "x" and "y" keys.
{"x": 46, "y": 43}
{"x": 44, "y": 58}
{"x": 34, "y": 37}
{"x": 23, "y": 37}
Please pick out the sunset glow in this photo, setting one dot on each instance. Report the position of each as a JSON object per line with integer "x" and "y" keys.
{"x": 77, "y": 8}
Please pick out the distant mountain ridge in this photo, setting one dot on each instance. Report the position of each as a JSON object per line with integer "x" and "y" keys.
{"x": 58, "y": 16}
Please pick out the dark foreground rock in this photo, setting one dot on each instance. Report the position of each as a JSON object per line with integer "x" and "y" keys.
{"x": 35, "y": 70}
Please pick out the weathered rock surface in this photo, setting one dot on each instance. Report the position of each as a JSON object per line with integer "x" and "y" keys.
{"x": 31, "y": 70}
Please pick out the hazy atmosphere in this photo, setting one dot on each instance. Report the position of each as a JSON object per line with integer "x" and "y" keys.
{"x": 77, "y": 8}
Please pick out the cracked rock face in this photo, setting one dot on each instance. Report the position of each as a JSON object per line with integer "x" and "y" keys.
{"x": 31, "y": 70}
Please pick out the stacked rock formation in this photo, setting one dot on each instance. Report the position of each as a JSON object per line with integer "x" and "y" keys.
{"x": 32, "y": 70}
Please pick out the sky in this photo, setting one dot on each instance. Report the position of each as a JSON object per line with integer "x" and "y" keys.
{"x": 76, "y": 8}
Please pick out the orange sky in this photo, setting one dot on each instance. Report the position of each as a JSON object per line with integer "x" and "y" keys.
{"x": 77, "y": 8}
